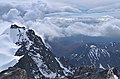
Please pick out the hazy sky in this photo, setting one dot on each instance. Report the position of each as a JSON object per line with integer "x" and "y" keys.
{"x": 74, "y": 3}
{"x": 18, "y": 1}
{"x": 83, "y": 3}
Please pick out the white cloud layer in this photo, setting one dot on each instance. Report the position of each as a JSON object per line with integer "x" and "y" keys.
{"x": 34, "y": 16}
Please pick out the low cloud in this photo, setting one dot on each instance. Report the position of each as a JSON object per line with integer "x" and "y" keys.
{"x": 33, "y": 16}
{"x": 11, "y": 15}
{"x": 106, "y": 29}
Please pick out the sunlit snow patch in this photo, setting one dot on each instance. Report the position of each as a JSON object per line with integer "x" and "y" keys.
{"x": 65, "y": 70}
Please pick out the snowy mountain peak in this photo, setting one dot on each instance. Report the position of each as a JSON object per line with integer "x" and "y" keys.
{"x": 26, "y": 50}
{"x": 36, "y": 55}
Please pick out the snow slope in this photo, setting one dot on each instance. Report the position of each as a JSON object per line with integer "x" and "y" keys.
{"x": 8, "y": 48}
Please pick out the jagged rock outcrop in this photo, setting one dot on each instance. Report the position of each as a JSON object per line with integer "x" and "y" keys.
{"x": 13, "y": 73}
{"x": 89, "y": 72}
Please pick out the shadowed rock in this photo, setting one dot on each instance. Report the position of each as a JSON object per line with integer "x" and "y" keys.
{"x": 13, "y": 73}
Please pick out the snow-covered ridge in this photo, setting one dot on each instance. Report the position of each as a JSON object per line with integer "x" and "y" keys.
{"x": 96, "y": 53}
{"x": 8, "y": 47}
{"x": 65, "y": 70}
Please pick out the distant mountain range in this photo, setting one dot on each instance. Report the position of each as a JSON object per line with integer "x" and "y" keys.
{"x": 86, "y": 50}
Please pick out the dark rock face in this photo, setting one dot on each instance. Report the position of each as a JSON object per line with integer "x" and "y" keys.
{"x": 38, "y": 61}
{"x": 91, "y": 72}
{"x": 29, "y": 65}
{"x": 13, "y": 73}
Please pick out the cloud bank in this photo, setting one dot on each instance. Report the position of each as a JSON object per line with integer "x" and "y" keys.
{"x": 106, "y": 29}
{"x": 33, "y": 15}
